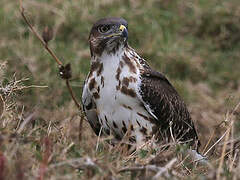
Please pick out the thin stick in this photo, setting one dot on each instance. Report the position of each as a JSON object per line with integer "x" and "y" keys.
{"x": 79, "y": 107}
{"x": 170, "y": 125}
{"x": 37, "y": 35}
{"x": 205, "y": 148}
{"x": 215, "y": 143}
{"x": 80, "y": 127}
{"x": 98, "y": 139}
{"x": 72, "y": 94}
{"x": 45, "y": 45}
{"x": 223, "y": 153}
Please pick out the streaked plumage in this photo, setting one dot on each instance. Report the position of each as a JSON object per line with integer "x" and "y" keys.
{"x": 122, "y": 93}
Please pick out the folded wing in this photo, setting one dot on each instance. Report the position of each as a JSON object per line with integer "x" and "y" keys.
{"x": 162, "y": 101}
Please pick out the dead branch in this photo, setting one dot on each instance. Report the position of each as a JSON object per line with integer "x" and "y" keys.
{"x": 44, "y": 42}
{"x": 65, "y": 71}
{"x": 37, "y": 35}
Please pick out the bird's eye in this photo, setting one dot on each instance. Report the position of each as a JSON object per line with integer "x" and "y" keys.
{"x": 104, "y": 29}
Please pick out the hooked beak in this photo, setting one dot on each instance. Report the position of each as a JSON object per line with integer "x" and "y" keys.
{"x": 124, "y": 31}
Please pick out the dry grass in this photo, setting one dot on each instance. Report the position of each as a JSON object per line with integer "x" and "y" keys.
{"x": 39, "y": 136}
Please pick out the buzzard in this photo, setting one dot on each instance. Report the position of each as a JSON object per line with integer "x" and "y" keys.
{"x": 123, "y": 94}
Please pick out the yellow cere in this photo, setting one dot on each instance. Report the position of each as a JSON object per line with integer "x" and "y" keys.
{"x": 122, "y": 27}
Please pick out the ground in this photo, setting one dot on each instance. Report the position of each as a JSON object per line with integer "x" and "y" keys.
{"x": 194, "y": 43}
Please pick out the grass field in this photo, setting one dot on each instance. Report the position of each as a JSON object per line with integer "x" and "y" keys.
{"x": 196, "y": 44}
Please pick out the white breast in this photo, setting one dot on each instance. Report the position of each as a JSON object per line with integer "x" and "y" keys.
{"x": 116, "y": 110}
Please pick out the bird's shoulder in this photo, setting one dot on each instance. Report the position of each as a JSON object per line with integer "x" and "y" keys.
{"x": 159, "y": 94}
{"x": 163, "y": 101}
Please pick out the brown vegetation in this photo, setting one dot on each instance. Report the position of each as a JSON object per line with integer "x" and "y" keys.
{"x": 41, "y": 136}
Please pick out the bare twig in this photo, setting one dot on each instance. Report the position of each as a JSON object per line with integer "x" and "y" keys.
{"x": 80, "y": 126}
{"x": 205, "y": 154}
{"x": 37, "y": 35}
{"x": 209, "y": 140}
{"x": 44, "y": 42}
{"x": 31, "y": 86}
{"x": 98, "y": 139}
{"x": 73, "y": 96}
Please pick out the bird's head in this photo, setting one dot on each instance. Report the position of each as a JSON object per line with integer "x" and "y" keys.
{"x": 108, "y": 34}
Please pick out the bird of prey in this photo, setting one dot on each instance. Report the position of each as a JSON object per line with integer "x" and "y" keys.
{"x": 123, "y": 94}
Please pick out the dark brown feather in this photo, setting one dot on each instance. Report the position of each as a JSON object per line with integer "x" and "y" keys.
{"x": 168, "y": 107}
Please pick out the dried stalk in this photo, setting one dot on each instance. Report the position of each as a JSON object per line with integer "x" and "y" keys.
{"x": 228, "y": 131}
{"x": 37, "y": 35}
{"x": 44, "y": 42}
{"x": 223, "y": 152}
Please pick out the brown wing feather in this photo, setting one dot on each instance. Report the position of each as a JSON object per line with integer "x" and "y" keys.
{"x": 165, "y": 103}
{"x": 89, "y": 108}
